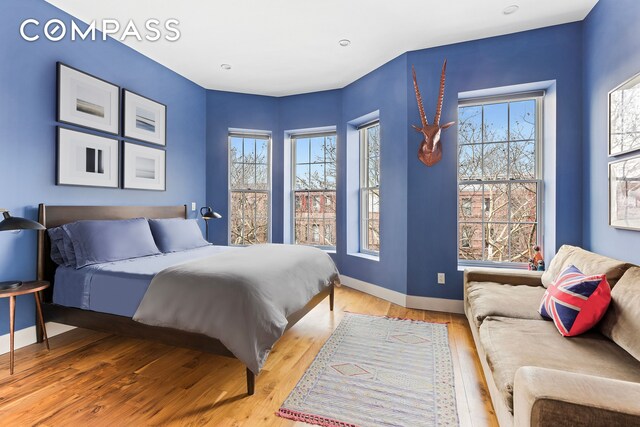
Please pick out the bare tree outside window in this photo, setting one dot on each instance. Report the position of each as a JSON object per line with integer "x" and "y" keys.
{"x": 249, "y": 187}
{"x": 467, "y": 205}
{"x": 499, "y": 180}
{"x": 370, "y": 188}
{"x": 314, "y": 169}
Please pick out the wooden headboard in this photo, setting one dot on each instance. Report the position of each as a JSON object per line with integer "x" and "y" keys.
{"x": 55, "y": 216}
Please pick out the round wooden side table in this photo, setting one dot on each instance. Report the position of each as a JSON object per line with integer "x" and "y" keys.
{"x": 24, "y": 289}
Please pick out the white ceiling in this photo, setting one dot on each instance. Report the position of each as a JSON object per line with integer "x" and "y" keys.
{"x": 284, "y": 47}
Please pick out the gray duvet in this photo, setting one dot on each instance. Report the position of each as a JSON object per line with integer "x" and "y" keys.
{"x": 241, "y": 297}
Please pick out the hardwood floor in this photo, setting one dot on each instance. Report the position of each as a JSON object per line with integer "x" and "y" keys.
{"x": 91, "y": 378}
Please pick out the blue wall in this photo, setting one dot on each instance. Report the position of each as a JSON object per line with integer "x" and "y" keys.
{"x": 552, "y": 53}
{"x": 611, "y": 56}
{"x": 418, "y": 210}
{"x": 382, "y": 89}
{"x": 28, "y": 129}
{"x": 227, "y": 110}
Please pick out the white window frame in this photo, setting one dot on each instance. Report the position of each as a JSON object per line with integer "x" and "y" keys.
{"x": 293, "y": 138}
{"x": 256, "y": 135}
{"x": 364, "y": 189}
{"x": 537, "y": 96}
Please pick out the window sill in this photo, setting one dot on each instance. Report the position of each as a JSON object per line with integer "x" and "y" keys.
{"x": 365, "y": 256}
{"x": 502, "y": 265}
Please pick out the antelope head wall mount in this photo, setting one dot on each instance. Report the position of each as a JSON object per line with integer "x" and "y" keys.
{"x": 430, "y": 151}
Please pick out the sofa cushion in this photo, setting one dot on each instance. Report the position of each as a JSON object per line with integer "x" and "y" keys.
{"x": 621, "y": 323}
{"x": 496, "y": 299}
{"x": 587, "y": 262}
{"x": 576, "y": 302}
{"x": 510, "y": 344}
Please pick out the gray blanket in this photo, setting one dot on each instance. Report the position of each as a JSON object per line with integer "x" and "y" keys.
{"x": 241, "y": 297}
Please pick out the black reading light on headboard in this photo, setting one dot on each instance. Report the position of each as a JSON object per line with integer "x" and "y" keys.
{"x": 13, "y": 223}
{"x": 207, "y": 214}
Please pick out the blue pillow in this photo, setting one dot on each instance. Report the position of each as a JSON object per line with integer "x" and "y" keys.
{"x": 57, "y": 247}
{"x": 176, "y": 234}
{"x": 96, "y": 242}
{"x": 68, "y": 254}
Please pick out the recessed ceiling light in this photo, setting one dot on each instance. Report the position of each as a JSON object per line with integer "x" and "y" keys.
{"x": 225, "y": 67}
{"x": 344, "y": 42}
{"x": 511, "y": 9}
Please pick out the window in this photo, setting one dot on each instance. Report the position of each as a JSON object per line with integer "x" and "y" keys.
{"x": 249, "y": 189}
{"x": 499, "y": 152}
{"x": 370, "y": 188}
{"x": 315, "y": 189}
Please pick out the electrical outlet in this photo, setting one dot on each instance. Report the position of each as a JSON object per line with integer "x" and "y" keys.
{"x": 440, "y": 278}
{"x": 193, "y": 206}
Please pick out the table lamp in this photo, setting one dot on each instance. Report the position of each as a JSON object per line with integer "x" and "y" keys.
{"x": 207, "y": 214}
{"x": 13, "y": 223}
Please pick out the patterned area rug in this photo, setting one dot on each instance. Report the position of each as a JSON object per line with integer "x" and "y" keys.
{"x": 378, "y": 371}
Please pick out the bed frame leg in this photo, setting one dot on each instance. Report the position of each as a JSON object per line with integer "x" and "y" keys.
{"x": 331, "y": 297}
{"x": 251, "y": 382}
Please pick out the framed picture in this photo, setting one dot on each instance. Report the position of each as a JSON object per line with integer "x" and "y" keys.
{"x": 624, "y": 117}
{"x": 144, "y": 119}
{"x": 624, "y": 193}
{"x": 85, "y": 100}
{"x": 144, "y": 167}
{"x": 87, "y": 160}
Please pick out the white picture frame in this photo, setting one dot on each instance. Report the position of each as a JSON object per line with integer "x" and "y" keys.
{"x": 87, "y": 160}
{"x": 624, "y": 117}
{"x": 144, "y": 168}
{"x": 87, "y": 101}
{"x": 144, "y": 119}
{"x": 624, "y": 193}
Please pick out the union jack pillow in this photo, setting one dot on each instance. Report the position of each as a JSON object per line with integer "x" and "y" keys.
{"x": 576, "y": 302}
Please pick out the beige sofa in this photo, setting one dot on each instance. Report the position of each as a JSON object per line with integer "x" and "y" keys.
{"x": 538, "y": 377}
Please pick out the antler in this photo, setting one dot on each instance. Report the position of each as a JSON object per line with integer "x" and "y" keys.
{"x": 441, "y": 96}
{"x": 423, "y": 116}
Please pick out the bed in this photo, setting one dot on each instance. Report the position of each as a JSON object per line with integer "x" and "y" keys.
{"x": 133, "y": 282}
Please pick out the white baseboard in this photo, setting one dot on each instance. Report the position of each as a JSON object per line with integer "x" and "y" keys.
{"x": 435, "y": 304}
{"x": 27, "y": 336}
{"x": 408, "y": 301}
{"x": 375, "y": 290}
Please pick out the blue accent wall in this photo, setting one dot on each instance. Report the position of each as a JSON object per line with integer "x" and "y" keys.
{"x": 418, "y": 208}
{"x": 552, "y": 53}
{"x": 611, "y": 56}
{"x": 384, "y": 89}
{"x": 28, "y": 132}
{"x": 226, "y": 110}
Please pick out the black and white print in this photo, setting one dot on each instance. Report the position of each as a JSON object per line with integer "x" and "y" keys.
{"x": 87, "y": 160}
{"x": 144, "y": 119}
{"x": 85, "y": 100}
{"x": 144, "y": 167}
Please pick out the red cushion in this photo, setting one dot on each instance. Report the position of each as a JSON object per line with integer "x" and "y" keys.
{"x": 576, "y": 302}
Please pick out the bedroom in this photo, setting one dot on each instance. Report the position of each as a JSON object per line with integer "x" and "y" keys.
{"x": 273, "y": 125}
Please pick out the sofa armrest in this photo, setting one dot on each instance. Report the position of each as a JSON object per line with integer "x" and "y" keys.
{"x": 549, "y": 397}
{"x": 503, "y": 275}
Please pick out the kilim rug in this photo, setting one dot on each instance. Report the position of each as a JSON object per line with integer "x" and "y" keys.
{"x": 378, "y": 371}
